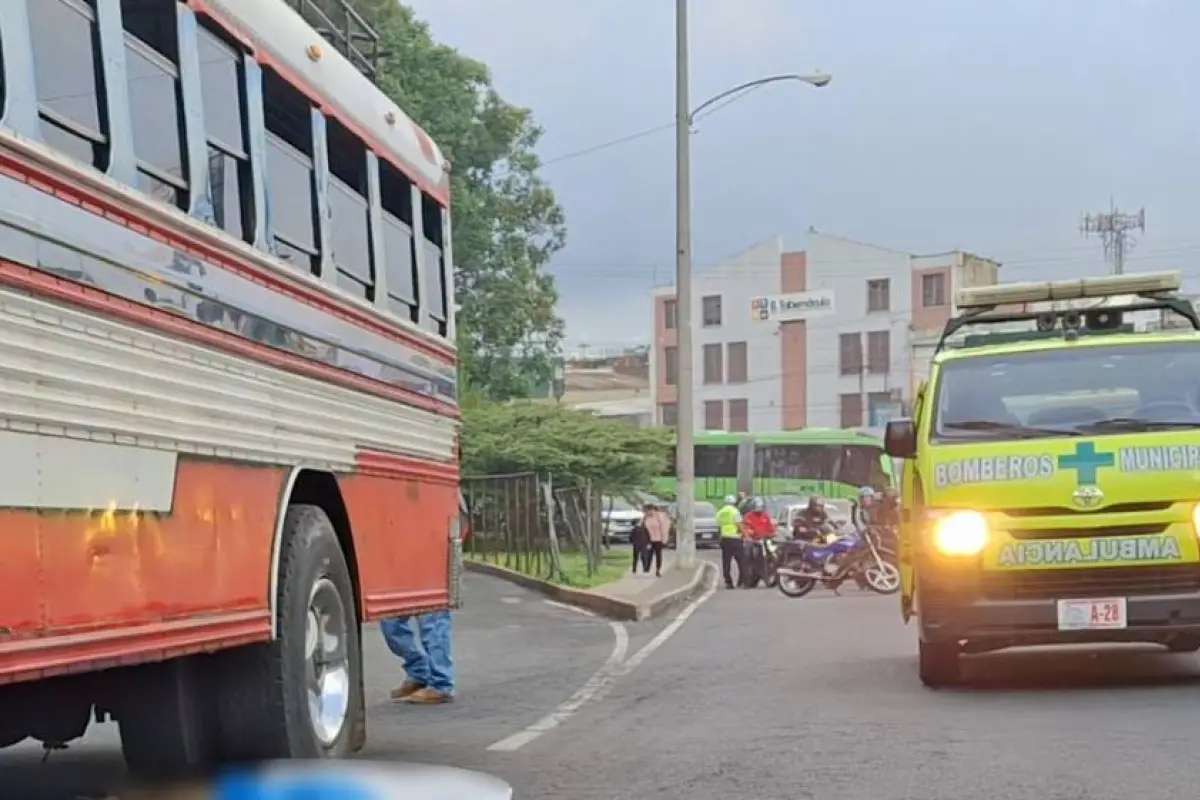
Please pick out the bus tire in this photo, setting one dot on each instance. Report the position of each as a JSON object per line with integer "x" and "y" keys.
{"x": 939, "y": 664}
{"x": 264, "y": 693}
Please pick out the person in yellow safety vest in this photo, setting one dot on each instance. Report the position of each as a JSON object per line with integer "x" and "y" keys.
{"x": 729, "y": 522}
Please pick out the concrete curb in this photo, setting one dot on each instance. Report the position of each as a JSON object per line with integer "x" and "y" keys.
{"x": 601, "y": 604}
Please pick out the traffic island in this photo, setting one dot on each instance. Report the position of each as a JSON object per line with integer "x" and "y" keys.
{"x": 633, "y": 597}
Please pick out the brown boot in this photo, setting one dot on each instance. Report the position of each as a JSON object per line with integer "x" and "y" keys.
{"x": 425, "y": 696}
{"x": 406, "y": 689}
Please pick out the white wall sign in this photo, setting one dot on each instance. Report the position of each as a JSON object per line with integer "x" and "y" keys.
{"x": 791, "y": 307}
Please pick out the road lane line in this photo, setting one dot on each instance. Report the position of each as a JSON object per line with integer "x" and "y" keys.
{"x": 604, "y": 678}
{"x": 666, "y": 633}
{"x": 570, "y": 607}
{"x": 595, "y": 685}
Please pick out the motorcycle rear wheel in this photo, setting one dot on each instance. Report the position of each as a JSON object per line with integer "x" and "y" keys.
{"x": 794, "y": 587}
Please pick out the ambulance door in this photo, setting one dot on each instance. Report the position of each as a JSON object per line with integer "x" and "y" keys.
{"x": 910, "y": 498}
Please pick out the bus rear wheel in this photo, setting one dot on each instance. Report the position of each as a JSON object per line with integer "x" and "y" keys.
{"x": 300, "y": 696}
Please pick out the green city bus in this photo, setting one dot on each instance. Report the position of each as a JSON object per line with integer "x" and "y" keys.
{"x": 830, "y": 462}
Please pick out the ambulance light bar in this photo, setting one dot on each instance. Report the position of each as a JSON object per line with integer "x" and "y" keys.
{"x": 1142, "y": 283}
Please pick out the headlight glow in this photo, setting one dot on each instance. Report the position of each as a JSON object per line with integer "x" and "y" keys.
{"x": 1196, "y": 519}
{"x": 960, "y": 533}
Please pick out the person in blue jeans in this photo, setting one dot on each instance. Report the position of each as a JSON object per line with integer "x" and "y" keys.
{"x": 428, "y": 666}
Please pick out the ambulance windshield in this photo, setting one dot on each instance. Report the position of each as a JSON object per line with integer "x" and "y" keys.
{"x": 1070, "y": 391}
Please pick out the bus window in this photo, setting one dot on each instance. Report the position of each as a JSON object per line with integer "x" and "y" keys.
{"x": 716, "y": 461}
{"x": 291, "y": 191}
{"x": 434, "y": 292}
{"x": 350, "y": 233}
{"x": 396, "y": 197}
{"x": 155, "y": 100}
{"x": 68, "y": 76}
{"x": 223, "y": 89}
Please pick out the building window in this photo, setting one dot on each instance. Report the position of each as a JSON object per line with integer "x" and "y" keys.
{"x": 736, "y": 358}
{"x": 879, "y": 356}
{"x": 222, "y": 89}
{"x": 933, "y": 290}
{"x": 671, "y": 366}
{"x": 69, "y": 79}
{"x": 670, "y": 415}
{"x": 879, "y": 295}
{"x": 670, "y": 314}
{"x": 850, "y": 355}
{"x": 714, "y": 364}
{"x": 714, "y": 415}
{"x": 852, "y": 410}
{"x": 739, "y": 416}
{"x": 712, "y": 310}
{"x": 877, "y": 403}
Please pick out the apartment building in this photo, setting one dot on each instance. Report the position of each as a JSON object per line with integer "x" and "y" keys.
{"x": 820, "y": 337}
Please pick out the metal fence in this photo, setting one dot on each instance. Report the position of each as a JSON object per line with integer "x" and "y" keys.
{"x": 522, "y": 522}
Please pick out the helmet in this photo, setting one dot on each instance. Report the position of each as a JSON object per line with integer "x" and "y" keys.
{"x": 730, "y": 500}
{"x": 865, "y": 492}
{"x": 816, "y": 502}
{"x": 757, "y": 504}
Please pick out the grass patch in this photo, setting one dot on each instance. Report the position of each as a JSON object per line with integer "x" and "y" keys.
{"x": 613, "y": 564}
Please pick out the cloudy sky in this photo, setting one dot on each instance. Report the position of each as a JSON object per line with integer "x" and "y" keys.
{"x": 988, "y": 126}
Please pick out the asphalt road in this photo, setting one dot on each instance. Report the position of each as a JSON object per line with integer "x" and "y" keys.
{"x": 760, "y": 697}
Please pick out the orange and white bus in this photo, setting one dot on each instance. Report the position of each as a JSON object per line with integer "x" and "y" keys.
{"x": 228, "y": 411}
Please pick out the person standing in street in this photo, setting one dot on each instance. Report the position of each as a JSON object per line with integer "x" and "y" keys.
{"x": 658, "y": 532}
{"x": 428, "y": 664}
{"x": 729, "y": 523}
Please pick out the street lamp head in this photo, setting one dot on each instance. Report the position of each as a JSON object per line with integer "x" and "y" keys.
{"x": 817, "y": 79}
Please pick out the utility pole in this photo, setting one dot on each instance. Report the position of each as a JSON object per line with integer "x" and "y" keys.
{"x": 1114, "y": 228}
{"x": 685, "y": 465}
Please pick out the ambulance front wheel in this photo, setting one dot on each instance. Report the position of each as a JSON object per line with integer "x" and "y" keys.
{"x": 939, "y": 664}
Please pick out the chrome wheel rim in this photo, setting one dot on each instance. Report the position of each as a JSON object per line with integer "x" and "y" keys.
{"x": 883, "y": 576}
{"x": 327, "y": 662}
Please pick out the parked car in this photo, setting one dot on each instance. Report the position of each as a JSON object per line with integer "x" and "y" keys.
{"x": 619, "y": 516}
{"x": 708, "y": 534}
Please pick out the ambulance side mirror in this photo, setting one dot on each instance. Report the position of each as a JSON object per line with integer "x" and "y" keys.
{"x": 900, "y": 438}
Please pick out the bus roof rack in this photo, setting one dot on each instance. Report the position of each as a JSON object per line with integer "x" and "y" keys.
{"x": 346, "y": 30}
{"x": 1155, "y": 292}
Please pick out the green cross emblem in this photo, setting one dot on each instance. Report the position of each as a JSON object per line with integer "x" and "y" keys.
{"x": 1086, "y": 462}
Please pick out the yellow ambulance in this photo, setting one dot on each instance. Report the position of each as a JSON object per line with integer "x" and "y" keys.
{"x": 1052, "y": 472}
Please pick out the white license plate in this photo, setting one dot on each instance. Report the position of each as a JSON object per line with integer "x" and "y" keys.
{"x": 1090, "y": 615}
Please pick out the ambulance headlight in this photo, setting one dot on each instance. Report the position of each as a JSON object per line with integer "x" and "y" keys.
{"x": 1196, "y": 519}
{"x": 960, "y": 533}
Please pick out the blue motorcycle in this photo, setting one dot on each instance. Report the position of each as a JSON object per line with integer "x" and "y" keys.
{"x": 839, "y": 556}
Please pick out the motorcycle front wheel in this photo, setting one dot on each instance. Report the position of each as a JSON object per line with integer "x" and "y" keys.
{"x": 882, "y": 577}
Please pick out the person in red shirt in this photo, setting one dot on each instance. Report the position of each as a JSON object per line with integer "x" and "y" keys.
{"x": 757, "y": 526}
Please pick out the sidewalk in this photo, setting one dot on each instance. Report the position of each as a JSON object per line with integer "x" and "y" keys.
{"x": 647, "y": 591}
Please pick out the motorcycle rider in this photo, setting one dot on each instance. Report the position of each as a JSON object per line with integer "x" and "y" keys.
{"x": 729, "y": 524}
{"x": 811, "y": 523}
{"x": 863, "y": 512}
{"x": 757, "y": 526}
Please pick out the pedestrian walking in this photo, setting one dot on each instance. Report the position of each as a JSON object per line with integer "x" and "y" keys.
{"x": 639, "y": 541}
{"x": 428, "y": 664}
{"x": 658, "y": 531}
{"x": 729, "y": 523}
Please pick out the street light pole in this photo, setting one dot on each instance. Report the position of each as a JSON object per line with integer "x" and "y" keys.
{"x": 685, "y": 465}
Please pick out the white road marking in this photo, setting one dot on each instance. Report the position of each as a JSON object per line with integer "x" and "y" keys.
{"x": 512, "y": 601}
{"x": 667, "y": 632}
{"x": 604, "y": 678}
{"x": 569, "y": 607}
{"x": 567, "y": 709}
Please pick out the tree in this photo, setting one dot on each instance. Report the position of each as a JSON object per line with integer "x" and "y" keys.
{"x": 507, "y": 223}
{"x": 574, "y": 446}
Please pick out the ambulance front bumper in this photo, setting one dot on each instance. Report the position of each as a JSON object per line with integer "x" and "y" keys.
{"x": 1161, "y": 604}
